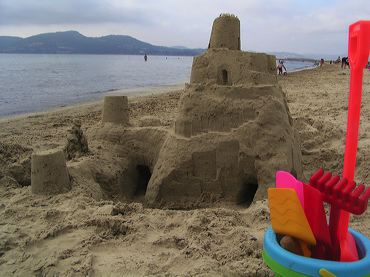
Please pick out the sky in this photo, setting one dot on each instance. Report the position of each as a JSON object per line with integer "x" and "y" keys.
{"x": 299, "y": 26}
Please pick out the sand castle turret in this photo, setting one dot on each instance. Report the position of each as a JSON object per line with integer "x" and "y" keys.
{"x": 49, "y": 173}
{"x": 225, "y": 33}
{"x": 115, "y": 109}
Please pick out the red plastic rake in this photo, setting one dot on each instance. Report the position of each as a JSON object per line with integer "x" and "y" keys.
{"x": 351, "y": 198}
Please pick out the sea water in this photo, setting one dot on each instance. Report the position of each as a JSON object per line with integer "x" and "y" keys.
{"x": 37, "y": 82}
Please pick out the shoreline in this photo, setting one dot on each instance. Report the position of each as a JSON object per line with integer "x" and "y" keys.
{"x": 304, "y": 68}
{"x": 96, "y": 54}
{"x": 138, "y": 92}
{"x": 131, "y": 94}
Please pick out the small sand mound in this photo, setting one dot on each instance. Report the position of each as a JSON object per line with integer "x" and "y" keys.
{"x": 76, "y": 142}
{"x": 146, "y": 121}
{"x": 8, "y": 182}
{"x": 15, "y": 162}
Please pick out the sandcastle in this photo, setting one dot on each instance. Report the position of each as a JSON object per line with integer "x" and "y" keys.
{"x": 232, "y": 132}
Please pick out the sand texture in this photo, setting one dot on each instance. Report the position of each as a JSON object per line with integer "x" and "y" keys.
{"x": 91, "y": 231}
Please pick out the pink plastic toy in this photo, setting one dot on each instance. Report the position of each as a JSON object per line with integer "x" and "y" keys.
{"x": 315, "y": 213}
{"x": 285, "y": 180}
{"x": 314, "y": 210}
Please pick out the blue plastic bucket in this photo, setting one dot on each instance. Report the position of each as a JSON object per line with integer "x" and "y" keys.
{"x": 285, "y": 263}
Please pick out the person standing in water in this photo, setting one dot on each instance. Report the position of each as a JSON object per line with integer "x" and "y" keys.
{"x": 145, "y": 57}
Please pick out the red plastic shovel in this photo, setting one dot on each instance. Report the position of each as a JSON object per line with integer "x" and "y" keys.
{"x": 358, "y": 53}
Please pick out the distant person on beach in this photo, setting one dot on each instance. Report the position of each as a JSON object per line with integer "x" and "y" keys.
{"x": 145, "y": 57}
{"x": 280, "y": 68}
{"x": 322, "y": 62}
{"x": 337, "y": 60}
{"x": 345, "y": 62}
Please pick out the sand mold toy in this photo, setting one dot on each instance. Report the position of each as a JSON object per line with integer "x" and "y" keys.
{"x": 288, "y": 218}
{"x": 314, "y": 209}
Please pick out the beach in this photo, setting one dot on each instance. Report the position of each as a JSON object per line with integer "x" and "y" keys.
{"x": 75, "y": 234}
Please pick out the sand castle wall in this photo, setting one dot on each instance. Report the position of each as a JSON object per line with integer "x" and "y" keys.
{"x": 224, "y": 109}
{"x": 228, "y": 144}
{"x": 225, "y": 33}
{"x": 224, "y": 67}
{"x": 127, "y": 160}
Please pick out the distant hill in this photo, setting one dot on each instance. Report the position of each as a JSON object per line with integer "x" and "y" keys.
{"x": 179, "y": 47}
{"x": 72, "y": 42}
{"x": 285, "y": 55}
{"x": 306, "y": 56}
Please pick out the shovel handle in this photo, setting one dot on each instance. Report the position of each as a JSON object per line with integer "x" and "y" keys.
{"x": 358, "y": 53}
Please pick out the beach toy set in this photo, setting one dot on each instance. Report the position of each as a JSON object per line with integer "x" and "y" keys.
{"x": 297, "y": 209}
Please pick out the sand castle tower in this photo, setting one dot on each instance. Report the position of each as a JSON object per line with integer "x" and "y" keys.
{"x": 225, "y": 33}
{"x": 232, "y": 132}
{"x": 49, "y": 173}
{"x": 115, "y": 109}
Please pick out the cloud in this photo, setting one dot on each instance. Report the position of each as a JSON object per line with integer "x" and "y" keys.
{"x": 42, "y": 12}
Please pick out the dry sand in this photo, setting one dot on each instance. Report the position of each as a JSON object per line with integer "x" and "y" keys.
{"x": 72, "y": 234}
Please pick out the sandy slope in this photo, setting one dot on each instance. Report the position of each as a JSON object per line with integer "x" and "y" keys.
{"x": 75, "y": 235}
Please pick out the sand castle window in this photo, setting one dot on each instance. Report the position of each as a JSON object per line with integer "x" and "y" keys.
{"x": 247, "y": 193}
{"x": 225, "y": 77}
{"x": 144, "y": 174}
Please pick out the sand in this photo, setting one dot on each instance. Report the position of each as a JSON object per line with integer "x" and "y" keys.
{"x": 72, "y": 234}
